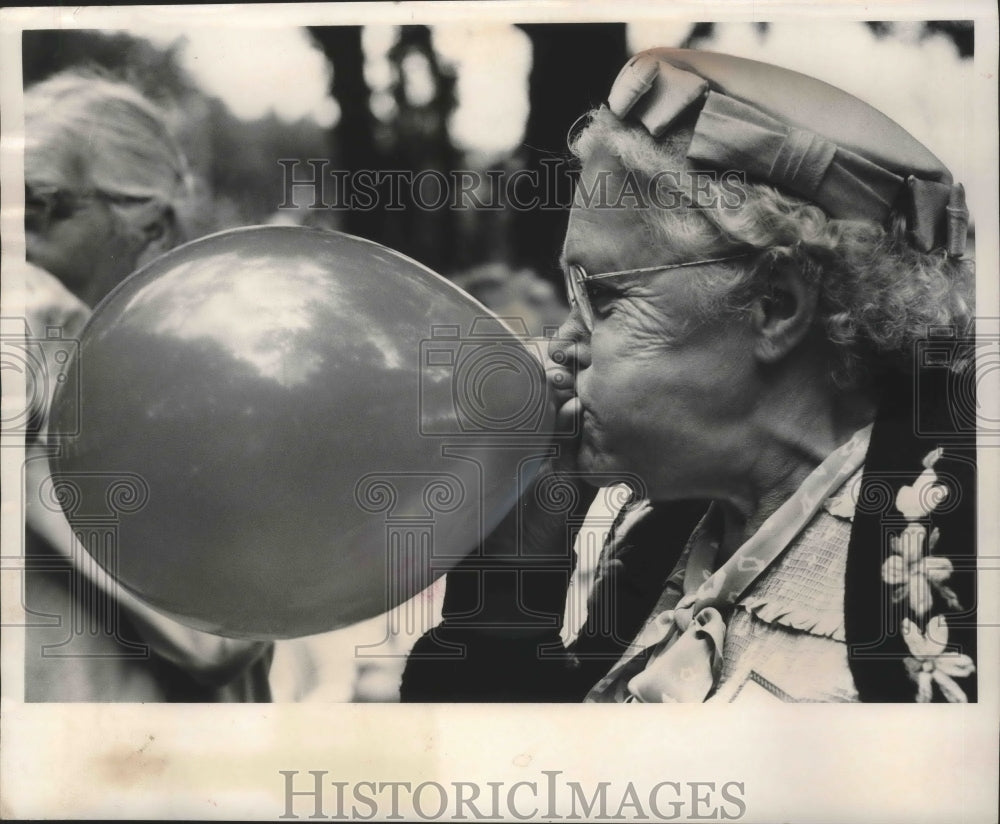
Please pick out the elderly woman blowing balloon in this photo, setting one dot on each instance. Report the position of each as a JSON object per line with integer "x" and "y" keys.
{"x": 104, "y": 181}
{"x": 758, "y": 265}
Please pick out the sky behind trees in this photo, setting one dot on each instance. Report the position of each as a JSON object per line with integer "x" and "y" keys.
{"x": 258, "y": 70}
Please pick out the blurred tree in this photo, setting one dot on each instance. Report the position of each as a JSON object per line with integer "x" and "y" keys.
{"x": 699, "y": 34}
{"x": 414, "y": 140}
{"x": 351, "y": 142}
{"x": 423, "y": 89}
{"x": 244, "y": 154}
{"x": 156, "y": 72}
{"x": 960, "y": 32}
{"x": 573, "y": 66}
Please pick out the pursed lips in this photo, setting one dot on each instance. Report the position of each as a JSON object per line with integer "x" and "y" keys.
{"x": 571, "y": 411}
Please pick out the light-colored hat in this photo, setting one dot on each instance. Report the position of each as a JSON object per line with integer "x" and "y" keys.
{"x": 799, "y": 134}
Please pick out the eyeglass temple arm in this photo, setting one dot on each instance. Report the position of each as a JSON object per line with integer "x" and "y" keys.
{"x": 664, "y": 267}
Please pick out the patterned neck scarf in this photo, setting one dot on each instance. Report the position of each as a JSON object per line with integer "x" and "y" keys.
{"x": 678, "y": 655}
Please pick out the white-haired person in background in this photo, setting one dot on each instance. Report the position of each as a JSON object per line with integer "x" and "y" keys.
{"x": 105, "y": 183}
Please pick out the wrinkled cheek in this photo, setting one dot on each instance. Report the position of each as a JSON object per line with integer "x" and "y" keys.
{"x": 605, "y": 403}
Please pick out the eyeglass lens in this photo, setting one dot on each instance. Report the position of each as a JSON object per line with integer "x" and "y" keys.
{"x": 576, "y": 287}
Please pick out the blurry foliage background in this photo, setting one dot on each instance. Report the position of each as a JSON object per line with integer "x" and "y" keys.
{"x": 406, "y": 121}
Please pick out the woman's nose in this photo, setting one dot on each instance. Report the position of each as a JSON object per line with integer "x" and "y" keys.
{"x": 568, "y": 353}
{"x": 569, "y": 344}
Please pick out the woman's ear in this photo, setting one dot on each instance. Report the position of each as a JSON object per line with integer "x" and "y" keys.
{"x": 783, "y": 315}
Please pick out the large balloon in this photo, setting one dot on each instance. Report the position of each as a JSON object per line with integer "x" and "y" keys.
{"x": 292, "y": 430}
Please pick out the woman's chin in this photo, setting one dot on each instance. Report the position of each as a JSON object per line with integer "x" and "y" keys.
{"x": 591, "y": 460}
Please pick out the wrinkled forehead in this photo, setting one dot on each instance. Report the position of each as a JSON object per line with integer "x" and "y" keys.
{"x": 623, "y": 219}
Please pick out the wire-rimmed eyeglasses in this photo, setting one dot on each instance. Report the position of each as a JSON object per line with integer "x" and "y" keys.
{"x": 577, "y": 280}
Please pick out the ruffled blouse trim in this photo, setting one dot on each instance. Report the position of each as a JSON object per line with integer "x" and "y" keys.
{"x": 824, "y": 623}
